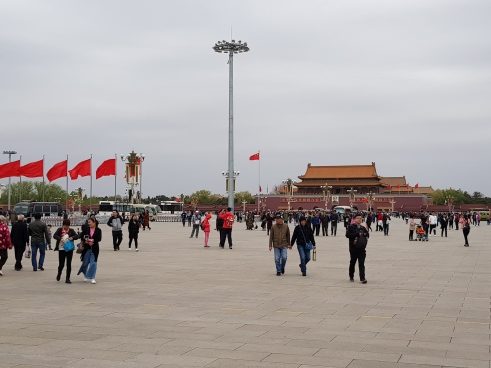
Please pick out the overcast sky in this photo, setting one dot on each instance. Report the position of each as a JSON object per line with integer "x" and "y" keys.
{"x": 404, "y": 83}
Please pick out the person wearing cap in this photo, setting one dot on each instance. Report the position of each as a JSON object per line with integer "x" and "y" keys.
{"x": 358, "y": 238}
{"x": 279, "y": 239}
{"x": 196, "y": 219}
{"x": 302, "y": 235}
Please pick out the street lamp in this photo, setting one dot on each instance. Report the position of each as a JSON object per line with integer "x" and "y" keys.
{"x": 289, "y": 187}
{"x": 231, "y": 48}
{"x": 326, "y": 191}
{"x": 352, "y": 196}
{"x": 133, "y": 172}
{"x": 10, "y": 153}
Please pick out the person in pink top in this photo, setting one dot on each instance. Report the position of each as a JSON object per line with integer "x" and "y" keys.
{"x": 205, "y": 225}
{"x": 5, "y": 243}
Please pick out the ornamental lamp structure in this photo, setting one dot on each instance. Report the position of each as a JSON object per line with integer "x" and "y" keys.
{"x": 326, "y": 191}
{"x": 352, "y": 196}
{"x": 231, "y": 47}
{"x": 289, "y": 183}
{"x": 133, "y": 162}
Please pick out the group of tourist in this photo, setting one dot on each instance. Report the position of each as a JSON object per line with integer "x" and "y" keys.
{"x": 30, "y": 239}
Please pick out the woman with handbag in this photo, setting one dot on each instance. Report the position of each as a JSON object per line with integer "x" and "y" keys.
{"x": 91, "y": 236}
{"x": 304, "y": 237}
{"x": 133, "y": 230}
{"x": 65, "y": 245}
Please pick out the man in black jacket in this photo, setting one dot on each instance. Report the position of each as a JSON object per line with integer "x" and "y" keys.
{"x": 358, "y": 237}
{"x": 20, "y": 239}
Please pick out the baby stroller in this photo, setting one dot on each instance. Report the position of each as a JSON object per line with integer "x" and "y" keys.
{"x": 421, "y": 233}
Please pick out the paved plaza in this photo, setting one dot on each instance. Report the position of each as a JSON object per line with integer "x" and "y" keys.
{"x": 177, "y": 304}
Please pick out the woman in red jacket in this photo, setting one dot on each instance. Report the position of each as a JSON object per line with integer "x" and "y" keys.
{"x": 5, "y": 243}
{"x": 205, "y": 225}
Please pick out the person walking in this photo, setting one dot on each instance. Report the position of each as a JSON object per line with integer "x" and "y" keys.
{"x": 38, "y": 232}
{"x": 334, "y": 223}
{"x": 146, "y": 220}
{"x": 369, "y": 221}
{"x": 228, "y": 222}
{"x": 116, "y": 223}
{"x": 386, "y": 223}
{"x": 183, "y": 218}
{"x": 304, "y": 237}
{"x": 64, "y": 237}
{"x": 444, "y": 225}
{"x": 412, "y": 227}
{"x": 91, "y": 237}
{"x": 358, "y": 238}
{"x": 5, "y": 242}
{"x": 133, "y": 230}
{"x": 205, "y": 225}
{"x": 325, "y": 223}
{"x": 219, "y": 226}
{"x": 279, "y": 240}
{"x": 316, "y": 224}
{"x": 196, "y": 219}
{"x": 466, "y": 228}
{"x": 433, "y": 222}
{"x": 20, "y": 240}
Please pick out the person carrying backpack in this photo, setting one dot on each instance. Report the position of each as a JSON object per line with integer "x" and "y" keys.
{"x": 358, "y": 238}
{"x": 228, "y": 222}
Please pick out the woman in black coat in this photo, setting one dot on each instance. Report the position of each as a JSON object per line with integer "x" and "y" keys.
{"x": 133, "y": 230}
{"x": 65, "y": 236}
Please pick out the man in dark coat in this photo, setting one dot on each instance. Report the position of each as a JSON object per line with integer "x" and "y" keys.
{"x": 20, "y": 239}
{"x": 358, "y": 237}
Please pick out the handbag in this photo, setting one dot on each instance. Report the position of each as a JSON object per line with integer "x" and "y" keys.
{"x": 308, "y": 244}
{"x": 80, "y": 248}
{"x": 69, "y": 246}
{"x": 27, "y": 253}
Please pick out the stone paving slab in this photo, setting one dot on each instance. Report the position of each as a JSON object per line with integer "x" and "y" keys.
{"x": 177, "y": 304}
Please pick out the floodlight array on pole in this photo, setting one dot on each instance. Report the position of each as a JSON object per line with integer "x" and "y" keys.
{"x": 231, "y": 47}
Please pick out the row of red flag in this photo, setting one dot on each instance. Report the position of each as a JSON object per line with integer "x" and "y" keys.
{"x": 59, "y": 170}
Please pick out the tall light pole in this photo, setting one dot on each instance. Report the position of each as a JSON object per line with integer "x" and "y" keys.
{"x": 231, "y": 48}
{"x": 10, "y": 153}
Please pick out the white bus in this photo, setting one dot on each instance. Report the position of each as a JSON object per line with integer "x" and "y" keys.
{"x": 171, "y": 206}
{"x": 106, "y": 208}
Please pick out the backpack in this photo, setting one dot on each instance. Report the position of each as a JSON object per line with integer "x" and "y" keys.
{"x": 203, "y": 225}
{"x": 229, "y": 220}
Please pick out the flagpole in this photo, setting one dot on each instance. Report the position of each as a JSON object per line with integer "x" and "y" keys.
{"x": 259, "y": 179}
{"x": 90, "y": 199}
{"x": 66, "y": 196}
{"x": 44, "y": 183}
{"x": 115, "y": 175}
{"x": 20, "y": 179}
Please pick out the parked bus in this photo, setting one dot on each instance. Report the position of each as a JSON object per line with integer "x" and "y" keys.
{"x": 171, "y": 206}
{"x": 44, "y": 208}
{"x": 106, "y": 208}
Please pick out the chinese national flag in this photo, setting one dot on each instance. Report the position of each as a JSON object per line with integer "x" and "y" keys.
{"x": 107, "y": 168}
{"x": 33, "y": 169}
{"x": 10, "y": 169}
{"x": 59, "y": 170}
{"x": 254, "y": 157}
{"x": 80, "y": 169}
{"x": 417, "y": 185}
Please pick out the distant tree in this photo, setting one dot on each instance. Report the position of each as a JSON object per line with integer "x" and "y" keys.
{"x": 244, "y": 196}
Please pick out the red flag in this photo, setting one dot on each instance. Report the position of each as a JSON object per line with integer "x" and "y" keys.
{"x": 417, "y": 185}
{"x": 260, "y": 189}
{"x": 10, "y": 169}
{"x": 58, "y": 170}
{"x": 33, "y": 169}
{"x": 80, "y": 169}
{"x": 107, "y": 168}
{"x": 254, "y": 157}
